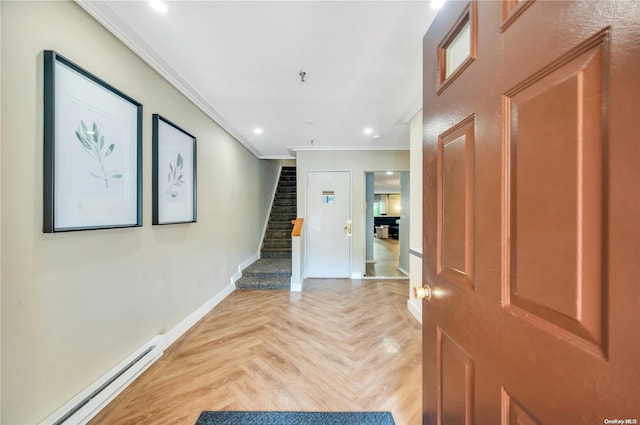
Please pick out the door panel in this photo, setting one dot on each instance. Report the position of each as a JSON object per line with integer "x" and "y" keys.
{"x": 555, "y": 193}
{"x": 455, "y": 202}
{"x": 456, "y": 377}
{"x": 531, "y": 221}
{"x": 328, "y": 233}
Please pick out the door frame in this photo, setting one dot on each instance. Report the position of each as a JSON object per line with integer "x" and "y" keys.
{"x": 365, "y": 230}
{"x": 306, "y": 214}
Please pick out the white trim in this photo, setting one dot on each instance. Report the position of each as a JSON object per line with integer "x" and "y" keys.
{"x": 411, "y": 111}
{"x": 182, "y": 327}
{"x": 277, "y": 157}
{"x": 237, "y": 275}
{"x": 296, "y": 269}
{"x": 93, "y": 406}
{"x": 415, "y": 311}
{"x": 385, "y": 278}
{"x": 403, "y": 270}
{"x": 356, "y": 275}
{"x": 104, "y": 14}
{"x": 347, "y": 148}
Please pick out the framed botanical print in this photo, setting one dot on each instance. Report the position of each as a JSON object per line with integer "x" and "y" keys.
{"x": 92, "y": 151}
{"x": 174, "y": 173}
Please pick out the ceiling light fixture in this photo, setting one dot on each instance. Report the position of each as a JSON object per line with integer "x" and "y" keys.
{"x": 257, "y": 130}
{"x": 389, "y": 173}
{"x": 368, "y": 131}
{"x": 375, "y": 137}
{"x": 158, "y": 6}
{"x": 437, "y": 4}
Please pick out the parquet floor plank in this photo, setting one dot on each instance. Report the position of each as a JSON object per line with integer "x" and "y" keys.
{"x": 340, "y": 345}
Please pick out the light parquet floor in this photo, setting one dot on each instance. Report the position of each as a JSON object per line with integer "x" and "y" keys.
{"x": 386, "y": 253}
{"x": 340, "y": 345}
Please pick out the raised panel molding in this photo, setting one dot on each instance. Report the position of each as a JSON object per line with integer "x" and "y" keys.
{"x": 455, "y": 208}
{"x": 513, "y": 413}
{"x": 554, "y": 195}
{"x": 511, "y": 10}
{"x": 455, "y": 370}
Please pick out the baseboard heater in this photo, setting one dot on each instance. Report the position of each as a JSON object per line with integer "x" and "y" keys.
{"x": 87, "y": 404}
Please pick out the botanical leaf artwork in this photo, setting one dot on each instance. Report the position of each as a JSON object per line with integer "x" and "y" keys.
{"x": 93, "y": 144}
{"x": 175, "y": 178}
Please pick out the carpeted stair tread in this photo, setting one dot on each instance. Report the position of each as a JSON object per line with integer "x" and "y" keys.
{"x": 285, "y": 190}
{"x": 269, "y": 266}
{"x": 282, "y": 216}
{"x": 277, "y": 242}
{"x": 284, "y": 209}
{"x": 254, "y": 282}
{"x": 276, "y": 253}
{"x": 280, "y": 225}
{"x": 278, "y": 234}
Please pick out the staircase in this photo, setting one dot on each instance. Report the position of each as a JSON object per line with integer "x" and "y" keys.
{"x": 273, "y": 269}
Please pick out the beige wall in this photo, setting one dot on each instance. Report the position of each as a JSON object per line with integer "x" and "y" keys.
{"x": 75, "y": 304}
{"x": 358, "y": 162}
{"x": 415, "y": 239}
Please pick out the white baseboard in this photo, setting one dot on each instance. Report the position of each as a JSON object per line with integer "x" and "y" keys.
{"x": 111, "y": 390}
{"x": 415, "y": 311}
{"x": 194, "y": 317}
{"x": 356, "y": 275}
{"x": 237, "y": 275}
{"x": 296, "y": 287}
{"x": 87, "y": 412}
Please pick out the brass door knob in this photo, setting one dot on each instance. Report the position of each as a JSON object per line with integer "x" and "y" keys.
{"x": 423, "y": 293}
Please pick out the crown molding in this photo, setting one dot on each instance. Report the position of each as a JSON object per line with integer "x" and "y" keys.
{"x": 411, "y": 111}
{"x": 102, "y": 13}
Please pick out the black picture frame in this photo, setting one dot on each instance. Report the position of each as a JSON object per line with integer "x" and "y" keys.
{"x": 92, "y": 139}
{"x": 174, "y": 155}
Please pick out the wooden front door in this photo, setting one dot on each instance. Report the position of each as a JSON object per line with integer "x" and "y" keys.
{"x": 532, "y": 213}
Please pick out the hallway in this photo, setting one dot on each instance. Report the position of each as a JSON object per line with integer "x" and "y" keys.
{"x": 386, "y": 259}
{"x": 340, "y": 345}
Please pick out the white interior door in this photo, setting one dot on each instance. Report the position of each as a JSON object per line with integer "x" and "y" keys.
{"x": 328, "y": 223}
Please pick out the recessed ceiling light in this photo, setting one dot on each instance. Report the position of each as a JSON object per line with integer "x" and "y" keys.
{"x": 158, "y": 6}
{"x": 368, "y": 131}
{"x": 437, "y": 4}
{"x": 375, "y": 137}
{"x": 257, "y": 130}
{"x": 389, "y": 173}
{"x": 310, "y": 122}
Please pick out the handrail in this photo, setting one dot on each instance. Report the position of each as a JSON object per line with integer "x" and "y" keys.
{"x": 297, "y": 226}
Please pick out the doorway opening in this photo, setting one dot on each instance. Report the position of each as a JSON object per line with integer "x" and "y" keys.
{"x": 387, "y": 225}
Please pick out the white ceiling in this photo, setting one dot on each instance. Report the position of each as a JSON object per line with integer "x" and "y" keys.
{"x": 387, "y": 182}
{"x": 239, "y": 62}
